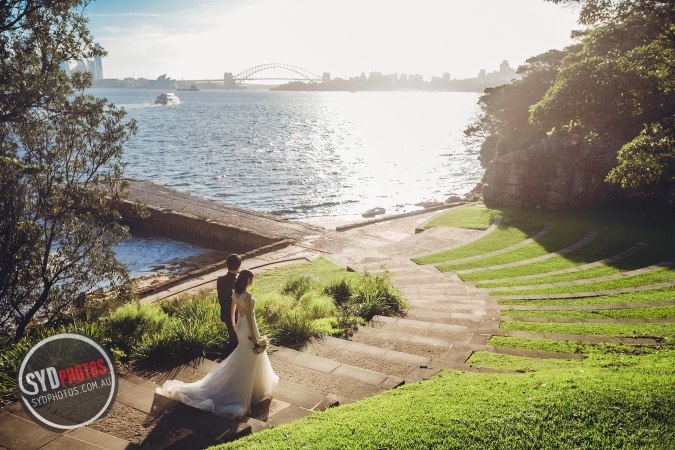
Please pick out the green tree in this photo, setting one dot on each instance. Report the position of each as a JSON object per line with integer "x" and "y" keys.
{"x": 505, "y": 110}
{"x": 621, "y": 81}
{"x": 60, "y": 169}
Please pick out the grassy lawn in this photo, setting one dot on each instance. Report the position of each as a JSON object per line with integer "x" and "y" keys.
{"x": 651, "y": 296}
{"x": 512, "y": 230}
{"x": 607, "y": 401}
{"x": 661, "y": 330}
{"x": 637, "y": 313}
{"x": 556, "y": 239}
{"x": 320, "y": 269}
{"x": 594, "y": 272}
{"x": 588, "y": 349}
{"x": 618, "y": 231}
{"x": 656, "y": 276}
{"x": 476, "y": 217}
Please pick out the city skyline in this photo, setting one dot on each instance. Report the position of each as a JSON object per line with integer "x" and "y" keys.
{"x": 148, "y": 39}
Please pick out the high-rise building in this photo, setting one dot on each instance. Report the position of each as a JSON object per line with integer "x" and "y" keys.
{"x": 481, "y": 74}
{"x": 403, "y": 77}
{"x": 98, "y": 75}
{"x": 91, "y": 67}
{"x": 446, "y": 77}
{"x": 416, "y": 78}
{"x": 504, "y": 66}
{"x": 326, "y": 77}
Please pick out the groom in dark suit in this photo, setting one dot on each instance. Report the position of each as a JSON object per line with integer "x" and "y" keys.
{"x": 224, "y": 285}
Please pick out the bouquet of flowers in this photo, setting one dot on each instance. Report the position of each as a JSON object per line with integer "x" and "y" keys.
{"x": 261, "y": 345}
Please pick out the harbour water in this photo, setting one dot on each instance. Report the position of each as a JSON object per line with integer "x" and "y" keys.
{"x": 305, "y": 155}
{"x": 311, "y": 156}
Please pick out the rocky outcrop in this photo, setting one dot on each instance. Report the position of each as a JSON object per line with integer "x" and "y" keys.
{"x": 554, "y": 173}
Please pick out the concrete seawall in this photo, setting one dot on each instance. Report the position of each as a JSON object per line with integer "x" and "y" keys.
{"x": 207, "y": 223}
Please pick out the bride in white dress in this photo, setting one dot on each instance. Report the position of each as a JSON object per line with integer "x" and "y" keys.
{"x": 243, "y": 379}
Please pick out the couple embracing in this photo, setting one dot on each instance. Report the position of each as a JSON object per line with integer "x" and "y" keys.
{"x": 246, "y": 376}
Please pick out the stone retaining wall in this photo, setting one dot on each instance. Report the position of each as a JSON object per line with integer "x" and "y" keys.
{"x": 195, "y": 230}
{"x": 552, "y": 174}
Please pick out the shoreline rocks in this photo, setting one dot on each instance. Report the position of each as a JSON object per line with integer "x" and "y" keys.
{"x": 373, "y": 212}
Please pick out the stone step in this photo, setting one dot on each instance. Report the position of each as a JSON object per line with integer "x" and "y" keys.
{"x": 451, "y": 317}
{"x": 467, "y": 310}
{"x": 18, "y": 431}
{"x": 391, "y": 362}
{"x": 329, "y": 375}
{"x": 382, "y": 321}
{"x": 403, "y": 342}
{"x": 418, "y": 367}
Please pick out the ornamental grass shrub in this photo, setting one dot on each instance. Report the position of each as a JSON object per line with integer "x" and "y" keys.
{"x": 298, "y": 285}
{"x": 128, "y": 324}
{"x": 193, "y": 329}
{"x": 339, "y": 290}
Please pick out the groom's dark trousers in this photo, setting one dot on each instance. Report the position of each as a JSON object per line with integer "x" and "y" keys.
{"x": 224, "y": 286}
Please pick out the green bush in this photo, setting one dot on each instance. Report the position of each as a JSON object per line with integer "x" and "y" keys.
{"x": 317, "y": 306}
{"x": 126, "y": 326}
{"x": 295, "y": 329}
{"x": 194, "y": 329}
{"x": 298, "y": 285}
{"x": 270, "y": 307}
{"x": 339, "y": 290}
{"x": 375, "y": 295}
{"x": 330, "y": 326}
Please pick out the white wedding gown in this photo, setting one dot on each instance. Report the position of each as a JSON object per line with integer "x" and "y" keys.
{"x": 243, "y": 379}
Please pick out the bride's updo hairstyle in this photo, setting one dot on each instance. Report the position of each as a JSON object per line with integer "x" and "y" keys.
{"x": 242, "y": 281}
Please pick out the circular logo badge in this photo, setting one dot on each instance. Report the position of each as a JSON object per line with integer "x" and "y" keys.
{"x": 67, "y": 381}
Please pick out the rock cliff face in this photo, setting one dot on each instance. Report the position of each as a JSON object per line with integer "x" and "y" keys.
{"x": 553, "y": 174}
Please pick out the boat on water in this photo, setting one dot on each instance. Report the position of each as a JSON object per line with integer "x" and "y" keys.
{"x": 192, "y": 88}
{"x": 167, "y": 98}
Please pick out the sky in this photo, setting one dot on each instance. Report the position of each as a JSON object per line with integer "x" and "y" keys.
{"x": 203, "y": 39}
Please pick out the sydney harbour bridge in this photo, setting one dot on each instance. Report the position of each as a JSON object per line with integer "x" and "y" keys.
{"x": 232, "y": 81}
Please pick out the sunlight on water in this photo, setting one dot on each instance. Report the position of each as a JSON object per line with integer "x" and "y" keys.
{"x": 305, "y": 155}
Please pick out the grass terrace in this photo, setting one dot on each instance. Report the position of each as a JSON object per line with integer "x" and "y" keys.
{"x": 617, "y": 396}
{"x": 617, "y": 232}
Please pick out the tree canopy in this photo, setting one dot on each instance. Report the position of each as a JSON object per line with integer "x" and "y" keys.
{"x": 60, "y": 169}
{"x": 618, "y": 83}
